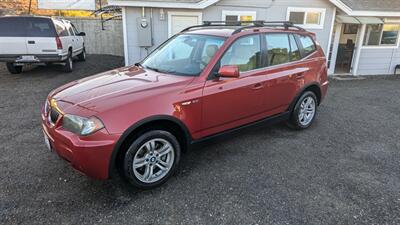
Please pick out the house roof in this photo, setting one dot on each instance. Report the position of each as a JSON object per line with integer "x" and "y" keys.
{"x": 373, "y": 5}
{"x": 382, "y": 8}
{"x": 378, "y": 8}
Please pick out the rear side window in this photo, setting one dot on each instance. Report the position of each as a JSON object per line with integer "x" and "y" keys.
{"x": 278, "y": 49}
{"x": 307, "y": 43}
{"x": 40, "y": 27}
{"x": 60, "y": 28}
{"x": 12, "y": 27}
{"x": 245, "y": 53}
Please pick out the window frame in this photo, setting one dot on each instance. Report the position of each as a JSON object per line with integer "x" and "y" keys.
{"x": 238, "y": 14}
{"x": 383, "y": 46}
{"x": 304, "y": 10}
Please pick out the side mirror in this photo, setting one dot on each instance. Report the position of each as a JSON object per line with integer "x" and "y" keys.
{"x": 229, "y": 71}
{"x": 82, "y": 34}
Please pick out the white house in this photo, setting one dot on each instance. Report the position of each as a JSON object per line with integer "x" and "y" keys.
{"x": 359, "y": 37}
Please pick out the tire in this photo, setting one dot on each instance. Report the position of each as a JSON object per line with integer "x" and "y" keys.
{"x": 156, "y": 156}
{"x": 14, "y": 69}
{"x": 304, "y": 112}
{"x": 68, "y": 63}
{"x": 82, "y": 55}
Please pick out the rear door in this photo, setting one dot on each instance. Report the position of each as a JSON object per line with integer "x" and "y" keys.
{"x": 78, "y": 39}
{"x": 284, "y": 68}
{"x": 41, "y": 36}
{"x": 13, "y": 36}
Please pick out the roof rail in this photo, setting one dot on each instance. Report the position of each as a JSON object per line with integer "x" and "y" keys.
{"x": 243, "y": 25}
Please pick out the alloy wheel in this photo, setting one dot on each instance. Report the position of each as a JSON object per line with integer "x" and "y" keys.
{"x": 153, "y": 160}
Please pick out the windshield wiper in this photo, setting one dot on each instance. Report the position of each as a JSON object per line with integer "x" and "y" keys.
{"x": 138, "y": 64}
{"x": 151, "y": 68}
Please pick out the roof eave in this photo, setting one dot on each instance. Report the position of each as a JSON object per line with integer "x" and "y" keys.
{"x": 179, "y": 5}
{"x": 349, "y": 11}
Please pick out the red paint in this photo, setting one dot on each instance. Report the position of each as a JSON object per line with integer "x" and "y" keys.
{"x": 123, "y": 97}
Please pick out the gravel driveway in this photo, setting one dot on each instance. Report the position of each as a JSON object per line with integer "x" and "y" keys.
{"x": 345, "y": 169}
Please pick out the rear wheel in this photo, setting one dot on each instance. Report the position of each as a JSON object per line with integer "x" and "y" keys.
{"x": 82, "y": 56}
{"x": 304, "y": 112}
{"x": 68, "y": 64}
{"x": 151, "y": 159}
{"x": 13, "y": 68}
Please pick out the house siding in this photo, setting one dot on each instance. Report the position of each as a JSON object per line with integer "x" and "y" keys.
{"x": 378, "y": 61}
{"x": 265, "y": 10}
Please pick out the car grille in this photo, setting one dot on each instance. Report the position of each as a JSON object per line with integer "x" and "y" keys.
{"x": 53, "y": 116}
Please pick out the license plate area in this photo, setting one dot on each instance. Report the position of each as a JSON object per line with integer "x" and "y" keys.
{"x": 27, "y": 58}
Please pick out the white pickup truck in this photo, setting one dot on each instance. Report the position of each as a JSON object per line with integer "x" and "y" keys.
{"x": 39, "y": 40}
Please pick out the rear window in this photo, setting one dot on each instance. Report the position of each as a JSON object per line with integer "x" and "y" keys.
{"x": 307, "y": 43}
{"x": 12, "y": 27}
{"x": 40, "y": 27}
{"x": 26, "y": 27}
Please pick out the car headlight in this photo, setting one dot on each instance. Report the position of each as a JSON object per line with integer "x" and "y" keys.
{"x": 80, "y": 125}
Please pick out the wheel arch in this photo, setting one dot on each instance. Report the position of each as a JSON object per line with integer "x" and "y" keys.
{"x": 165, "y": 122}
{"x": 314, "y": 87}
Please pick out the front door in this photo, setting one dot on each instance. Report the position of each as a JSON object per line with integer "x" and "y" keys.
{"x": 231, "y": 102}
{"x": 177, "y": 21}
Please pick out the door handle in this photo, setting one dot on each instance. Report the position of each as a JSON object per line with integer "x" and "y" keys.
{"x": 257, "y": 86}
{"x": 31, "y": 42}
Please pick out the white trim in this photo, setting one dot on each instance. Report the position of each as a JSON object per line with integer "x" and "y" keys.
{"x": 179, "y": 13}
{"x": 125, "y": 35}
{"x": 328, "y": 49}
{"x": 359, "y": 44}
{"x": 238, "y": 13}
{"x": 336, "y": 42}
{"x": 352, "y": 12}
{"x": 307, "y": 10}
{"x": 157, "y": 4}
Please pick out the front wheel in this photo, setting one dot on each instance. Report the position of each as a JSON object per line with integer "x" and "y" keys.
{"x": 151, "y": 159}
{"x": 13, "y": 69}
{"x": 304, "y": 112}
{"x": 82, "y": 55}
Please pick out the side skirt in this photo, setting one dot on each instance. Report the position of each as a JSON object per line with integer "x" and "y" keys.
{"x": 264, "y": 122}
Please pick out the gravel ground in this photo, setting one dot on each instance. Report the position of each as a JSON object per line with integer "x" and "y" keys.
{"x": 343, "y": 170}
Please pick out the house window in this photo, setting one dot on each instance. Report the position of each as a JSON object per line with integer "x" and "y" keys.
{"x": 234, "y": 16}
{"x": 381, "y": 35}
{"x": 311, "y": 18}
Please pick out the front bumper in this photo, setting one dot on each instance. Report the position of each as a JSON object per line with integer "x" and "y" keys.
{"x": 37, "y": 58}
{"x": 90, "y": 154}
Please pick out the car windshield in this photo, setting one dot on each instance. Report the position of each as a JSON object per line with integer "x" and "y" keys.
{"x": 185, "y": 55}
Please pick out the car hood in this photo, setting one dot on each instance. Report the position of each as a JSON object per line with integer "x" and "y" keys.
{"x": 99, "y": 92}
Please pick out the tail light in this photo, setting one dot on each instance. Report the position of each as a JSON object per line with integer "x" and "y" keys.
{"x": 59, "y": 44}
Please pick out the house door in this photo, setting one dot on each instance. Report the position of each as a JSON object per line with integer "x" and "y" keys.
{"x": 346, "y": 48}
{"x": 177, "y": 21}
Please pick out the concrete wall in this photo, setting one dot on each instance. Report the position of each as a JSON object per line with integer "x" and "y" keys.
{"x": 266, "y": 10}
{"x": 378, "y": 61}
{"x": 98, "y": 41}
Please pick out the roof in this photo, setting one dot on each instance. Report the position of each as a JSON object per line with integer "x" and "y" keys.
{"x": 378, "y": 8}
{"x": 373, "y": 5}
{"x": 381, "y": 8}
{"x": 179, "y": 4}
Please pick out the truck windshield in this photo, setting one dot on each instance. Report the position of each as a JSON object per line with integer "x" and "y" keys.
{"x": 185, "y": 55}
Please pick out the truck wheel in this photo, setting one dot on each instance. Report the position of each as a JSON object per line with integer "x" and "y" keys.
{"x": 304, "y": 111}
{"x": 82, "y": 56}
{"x": 151, "y": 159}
{"x": 68, "y": 63}
{"x": 14, "y": 69}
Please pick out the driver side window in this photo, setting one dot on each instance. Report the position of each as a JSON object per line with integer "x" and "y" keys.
{"x": 244, "y": 53}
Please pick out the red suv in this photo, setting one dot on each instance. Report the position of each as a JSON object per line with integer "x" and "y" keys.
{"x": 207, "y": 80}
